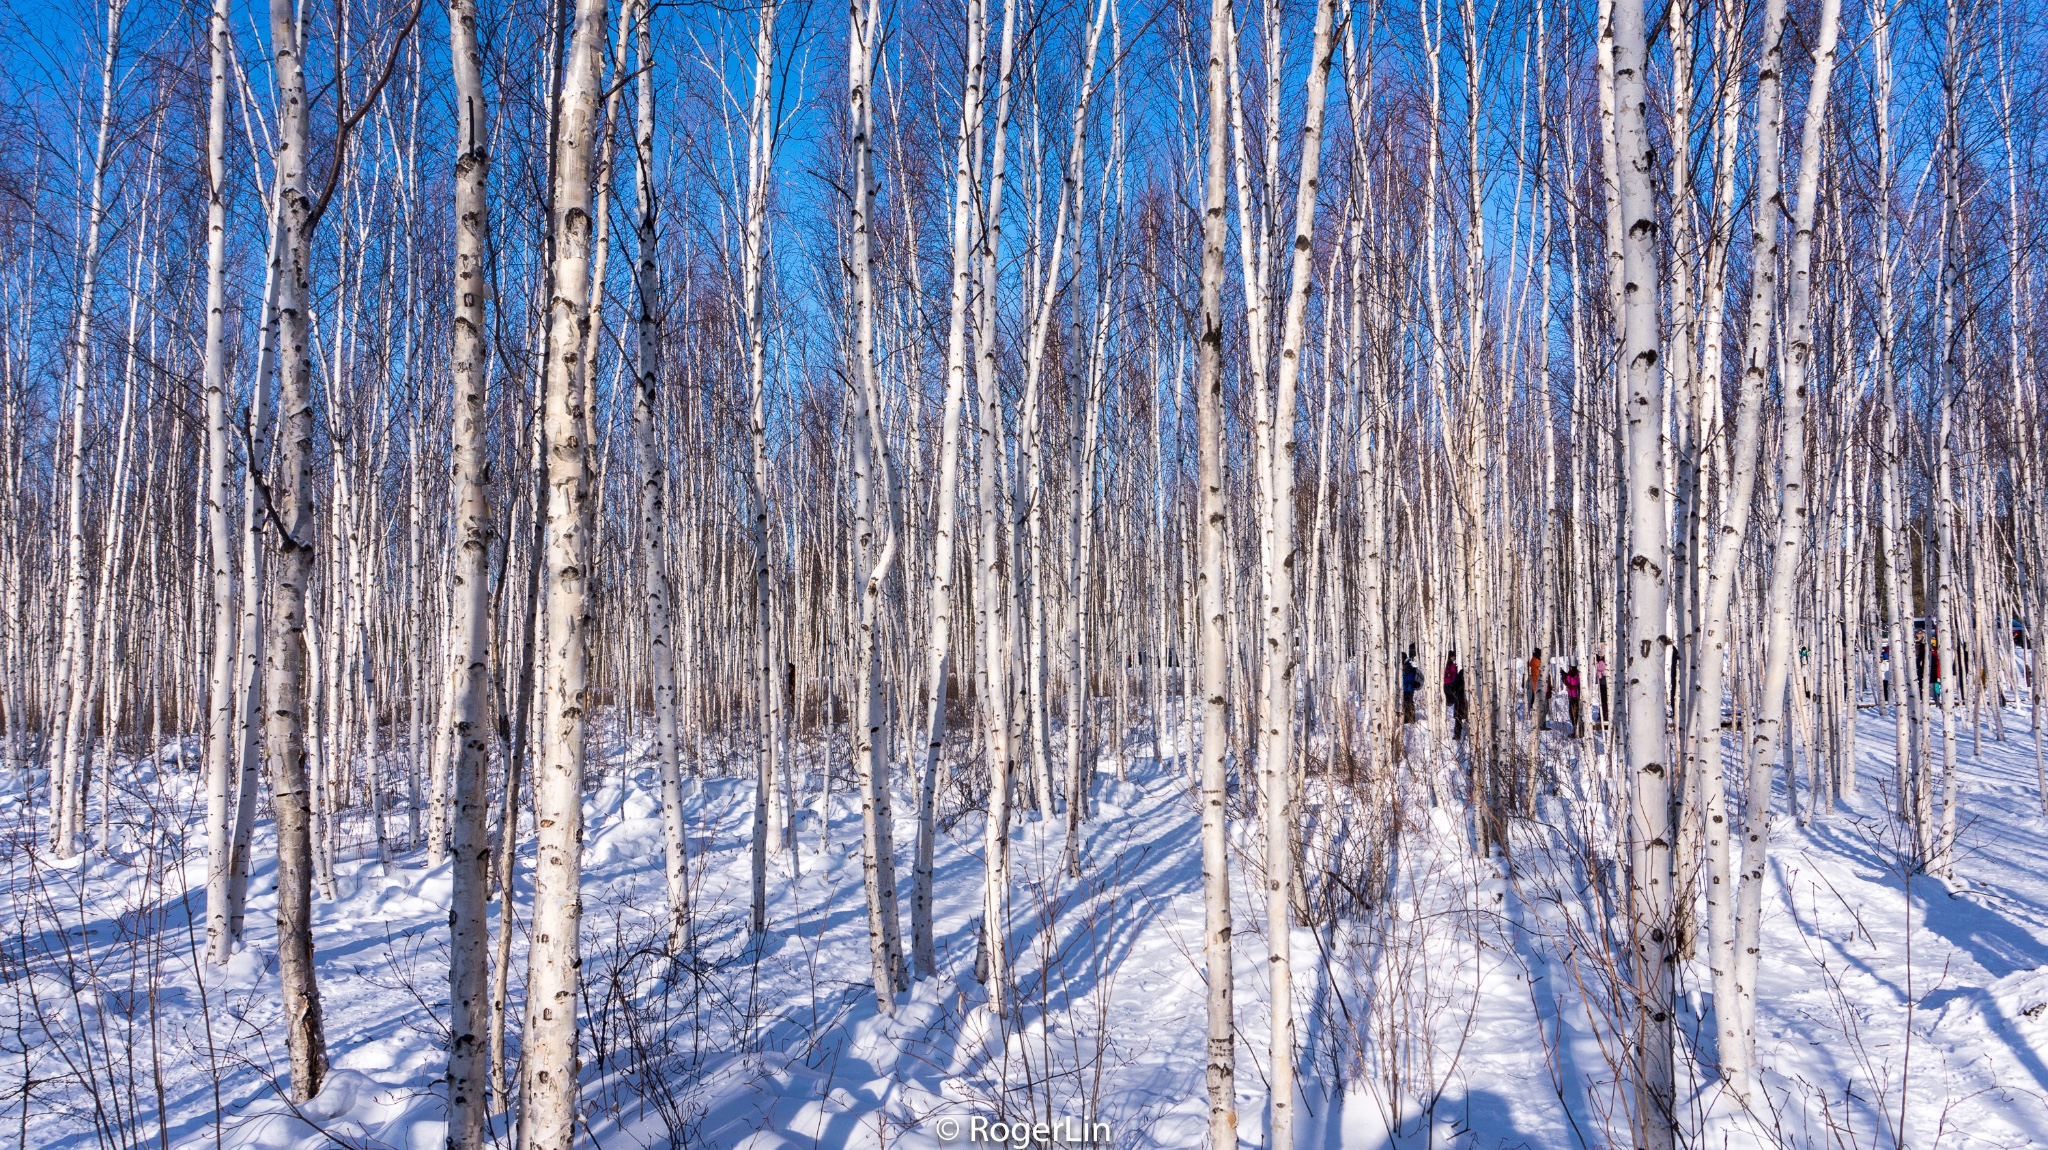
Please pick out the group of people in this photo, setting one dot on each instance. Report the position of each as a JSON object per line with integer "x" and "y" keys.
{"x": 1929, "y": 661}
{"x": 1541, "y": 691}
{"x": 1454, "y": 689}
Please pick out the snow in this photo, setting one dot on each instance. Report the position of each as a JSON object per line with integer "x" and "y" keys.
{"x": 1463, "y": 1002}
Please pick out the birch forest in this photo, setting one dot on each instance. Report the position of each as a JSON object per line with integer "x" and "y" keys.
{"x": 1137, "y": 573}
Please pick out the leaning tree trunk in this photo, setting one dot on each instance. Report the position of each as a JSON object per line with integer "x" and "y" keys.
{"x": 1766, "y": 734}
{"x": 68, "y": 763}
{"x": 1704, "y": 754}
{"x": 1276, "y": 686}
{"x": 939, "y": 636}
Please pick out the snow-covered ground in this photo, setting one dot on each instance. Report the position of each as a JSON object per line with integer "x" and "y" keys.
{"x": 1463, "y": 1001}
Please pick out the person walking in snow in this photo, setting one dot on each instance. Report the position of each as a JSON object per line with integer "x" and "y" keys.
{"x": 1536, "y": 684}
{"x": 1571, "y": 695}
{"x": 1454, "y": 694}
{"x": 1411, "y": 682}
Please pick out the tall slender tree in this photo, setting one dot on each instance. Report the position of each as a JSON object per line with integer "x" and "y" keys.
{"x": 469, "y": 599}
{"x": 220, "y": 691}
{"x": 549, "y": 1068}
{"x": 1216, "y": 930}
{"x": 1647, "y": 650}
{"x": 289, "y": 509}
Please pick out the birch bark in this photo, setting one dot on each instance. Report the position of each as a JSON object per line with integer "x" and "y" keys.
{"x": 939, "y": 636}
{"x": 1276, "y": 755}
{"x": 753, "y": 258}
{"x": 469, "y": 601}
{"x": 290, "y": 510}
{"x": 872, "y": 442}
{"x": 989, "y": 593}
{"x": 548, "y": 1072}
{"x": 249, "y": 641}
{"x": 655, "y": 587}
{"x": 1216, "y": 931}
{"x": 1766, "y": 732}
{"x": 1739, "y": 480}
{"x": 220, "y": 691}
{"x": 1951, "y": 379}
{"x": 71, "y": 659}
{"x": 1646, "y": 651}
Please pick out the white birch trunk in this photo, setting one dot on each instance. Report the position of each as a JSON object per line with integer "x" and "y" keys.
{"x": 1950, "y": 380}
{"x": 289, "y": 507}
{"x": 469, "y": 600}
{"x": 220, "y": 691}
{"x": 654, "y": 480}
{"x": 939, "y": 637}
{"x": 989, "y": 593}
{"x": 1647, "y": 646}
{"x": 1739, "y": 479}
{"x": 1216, "y": 930}
{"x": 249, "y": 641}
{"x": 753, "y": 259}
{"x": 1276, "y": 755}
{"x": 70, "y": 702}
{"x": 1765, "y": 731}
{"x": 871, "y": 449}
{"x": 549, "y": 1070}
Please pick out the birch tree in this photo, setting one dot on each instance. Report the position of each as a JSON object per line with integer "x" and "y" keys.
{"x": 220, "y": 692}
{"x": 874, "y": 475}
{"x": 549, "y": 1070}
{"x": 71, "y": 686}
{"x": 469, "y": 601}
{"x": 753, "y": 264}
{"x": 939, "y": 634}
{"x": 289, "y": 509}
{"x": 654, "y": 480}
{"x": 1647, "y": 649}
{"x": 1216, "y": 916}
{"x": 990, "y": 608}
{"x": 1766, "y": 736}
{"x": 1276, "y": 684}
{"x": 1740, "y": 480}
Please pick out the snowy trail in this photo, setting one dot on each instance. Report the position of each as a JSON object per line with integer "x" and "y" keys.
{"x": 1468, "y": 1006}
{"x": 1894, "y": 1006}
